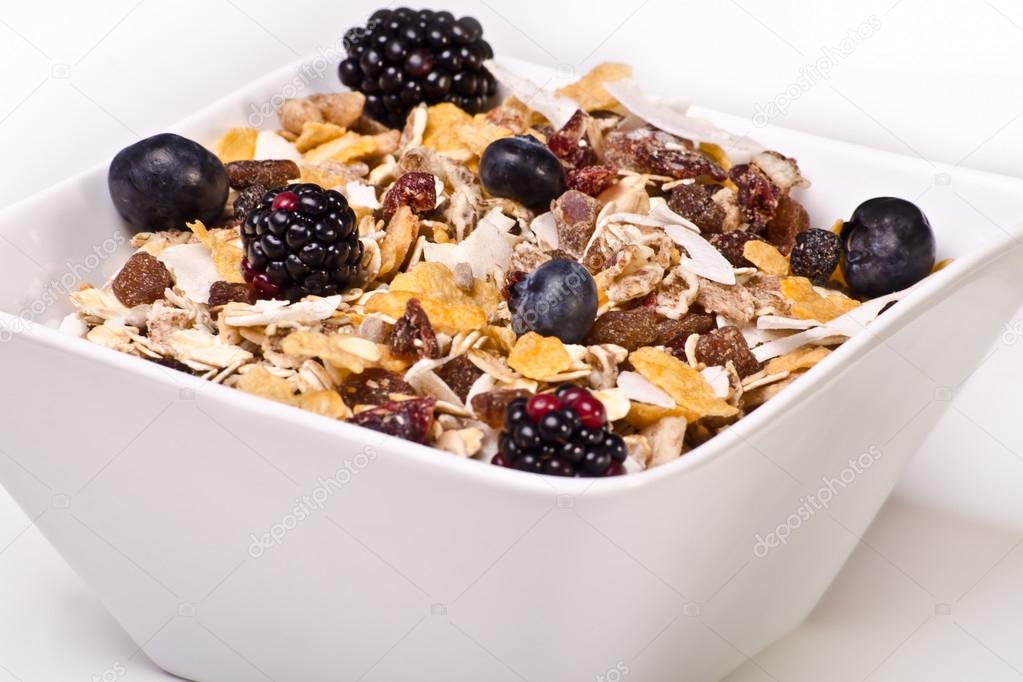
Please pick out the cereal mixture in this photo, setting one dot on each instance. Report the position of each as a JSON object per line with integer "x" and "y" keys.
{"x": 585, "y": 281}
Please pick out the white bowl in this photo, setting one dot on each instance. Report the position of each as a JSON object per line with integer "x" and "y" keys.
{"x": 179, "y": 502}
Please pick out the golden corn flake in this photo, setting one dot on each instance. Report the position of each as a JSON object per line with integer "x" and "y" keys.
{"x": 449, "y": 318}
{"x": 443, "y": 122}
{"x": 801, "y": 358}
{"x": 399, "y": 236}
{"x": 237, "y": 144}
{"x": 941, "y": 265}
{"x": 642, "y": 415}
{"x": 314, "y": 134}
{"x": 836, "y": 227}
{"x": 807, "y": 304}
{"x": 326, "y": 403}
{"x": 344, "y": 351}
{"x": 259, "y": 381}
{"x": 685, "y": 385}
{"x": 437, "y": 281}
{"x": 225, "y": 250}
{"x": 766, "y": 257}
{"x": 503, "y": 338}
{"x": 589, "y": 92}
{"x": 345, "y": 149}
{"x": 539, "y": 357}
{"x": 716, "y": 154}
{"x": 478, "y": 134}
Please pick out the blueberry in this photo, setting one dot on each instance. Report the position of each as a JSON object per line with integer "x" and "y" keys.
{"x": 166, "y": 181}
{"x": 888, "y": 245}
{"x": 559, "y": 299}
{"x": 523, "y": 169}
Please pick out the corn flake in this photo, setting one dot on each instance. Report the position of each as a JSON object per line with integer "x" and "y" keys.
{"x": 225, "y": 249}
{"x": 399, "y": 235}
{"x": 345, "y": 149}
{"x": 259, "y": 381}
{"x": 344, "y": 351}
{"x": 766, "y": 257}
{"x": 642, "y": 415}
{"x": 237, "y": 144}
{"x": 539, "y": 357}
{"x": 314, "y": 134}
{"x": 449, "y": 318}
{"x": 796, "y": 360}
{"x": 438, "y": 281}
{"x": 443, "y": 122}
{"x": 685, "y": 385}
{"x": 807, "y": 304}
{"x": 326, "y": 403}
{"x": 589, "y": 91}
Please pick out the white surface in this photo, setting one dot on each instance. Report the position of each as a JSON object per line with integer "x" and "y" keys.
{"x": 933, "y": 594}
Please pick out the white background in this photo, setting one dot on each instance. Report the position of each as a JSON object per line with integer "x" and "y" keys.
{"x": 935, "y": 592}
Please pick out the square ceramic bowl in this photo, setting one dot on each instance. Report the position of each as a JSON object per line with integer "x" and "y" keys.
{"x": 236, "y": 539}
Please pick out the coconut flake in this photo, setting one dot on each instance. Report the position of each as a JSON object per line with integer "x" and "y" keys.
{"x": 193, "y": 270}
{"x": 638, "y": 388}
{"x": 815, "y": 336}
{"x": 271, "y": 146}
{"x": 703, "y": 260}
{"x": 670, "y": 119}
{"x": 73, "y": 325}
{"x": 484, "y": 249}
{"x": 616, "y": 403}
{"x": 545, "y": 227}
{"x": 266, "y": 312}
{"x": 555, "y": 108}
{"x": 780, "y": 322}
{"x": 358, "y": 193}
{"x": 717, "y": 377}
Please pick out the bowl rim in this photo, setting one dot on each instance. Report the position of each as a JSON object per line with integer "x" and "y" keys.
{"x": 911, "y": 306}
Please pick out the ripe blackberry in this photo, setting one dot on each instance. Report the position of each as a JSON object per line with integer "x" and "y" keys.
{"x": 403, "y": 57}
{"x": 564, "y": 433}
{"x": 300, "y": 240}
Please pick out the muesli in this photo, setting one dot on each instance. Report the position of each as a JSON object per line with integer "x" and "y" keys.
{"x": 583, "y": 282}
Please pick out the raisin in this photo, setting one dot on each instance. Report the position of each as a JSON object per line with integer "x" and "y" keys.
{"x": 757, "y": 196}
{"x": 460, "y": 374}
{"x": 412, "y": 327}
{"x": 648, "y": 150}
{"x": 730, "y": 244}
{"x": 247, "y": 200}
{"x": 171, "y": 363}
{"x": 143, "y": 279}
{"x": 510, "y": 280}
{"x": 815, "y": 255}
{"x": 674, "y": 333}
{"x": 490, "y": 407}
{"x": 718, "y": 346}
{"x": 268, "y": 173}
{"x": 575, "y": 215}
{"x": 374, "y": 386}
{"x": 570, "y": 143}
{"x": 222, "y": 293}
{"x": 630, "y": 329}
{"x": 408, "y": 419}
{"x": 789, "y": 220}
{"x": 696, "y": 203}
{"x": 416, "y": 190}
{"x": 591, "y": 180}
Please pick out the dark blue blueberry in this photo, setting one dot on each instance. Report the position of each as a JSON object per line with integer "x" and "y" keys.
{"x": 559, "y": 299}
{"x": 166, "y": 181}
{"x": 524, "y": 169}
{"x": 888, "y": 245}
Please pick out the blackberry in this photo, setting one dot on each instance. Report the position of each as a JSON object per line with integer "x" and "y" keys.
{"x": 564, "y": 433}
{"x": 300, "y": 240}
{"x": 403, "y": 57}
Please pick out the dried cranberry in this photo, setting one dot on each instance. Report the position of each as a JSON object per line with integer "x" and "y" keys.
{"x": 416, "y": 189}
{"x": 413, "y": 334}
{"x": 648, "y": 150}
{"x": 757, "y": 196}
{"x": 731, "y": 245}
{"x": 570, "y": 143}
{"x": 575, "y": 215}
{"x": 789, "y": 219}
{"x": 459, "y": 374}
{"x": 591, "y": 180}
{"x": 725, "y": 344}
{"x": 408, "y": 419}
{"x": 374, "y": 386}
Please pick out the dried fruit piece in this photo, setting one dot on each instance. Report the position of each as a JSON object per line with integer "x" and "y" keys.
{"x": 570, "y": 143}
{"x": 375, "y": 386}
{"x": 399, "y": 235}
{"x": 732, "y": 244}
{"x": 490, "y": 407}
{"x": 695, "y": 202}
{"x": 757, "y": 196}
{"x": 725, "y": 344}
{"x": 408, "y": 419}
{"x": 143, "y": 279}
{"x": 269, "y": 173}
{"x": 734, "y": 302}
{"x": 294, "y": 113}
{"x": 591, "y": 180}
{"x": 247, "y": 200}
{"x": 539, "y": 357}
{"x": 788, "y": 221}
{"x": 685, "y": 385}
{"x": 589, "y": 91}
{"x": 460, "y": 374}
{"x": 575, "y": 215}
{"x": 340, "y": 108}
{"x": 816, "y": 254}
{"x": 648, "y": 150}
{"x": 222, "y": 293}
{"x": 673, "y": 333}
{"x": 416, "y": 190}
{"x": 766, "y": 257}
{"x": 630, "y": 329}
{"x": 412, "y": 334}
